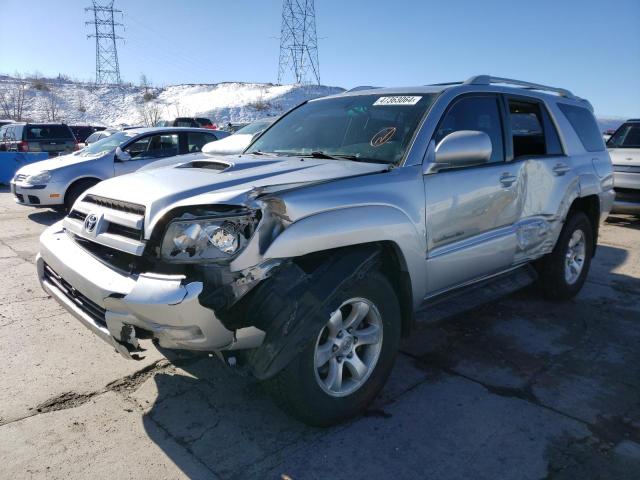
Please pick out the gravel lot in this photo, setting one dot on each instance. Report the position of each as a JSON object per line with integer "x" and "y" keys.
{"x": 516, "y": 389}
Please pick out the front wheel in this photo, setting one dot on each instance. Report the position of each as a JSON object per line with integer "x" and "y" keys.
{"x": 347, "y": 363}
{"x": 563, "y": 272}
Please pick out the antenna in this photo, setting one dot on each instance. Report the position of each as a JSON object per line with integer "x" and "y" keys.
{"x": 298, "y": 42}
{"x": 107, "y": 67}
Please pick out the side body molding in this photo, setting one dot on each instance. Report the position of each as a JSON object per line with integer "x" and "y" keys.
{"x": 354, "y": 226}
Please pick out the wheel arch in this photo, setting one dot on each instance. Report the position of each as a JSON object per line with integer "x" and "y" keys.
{"x": 77, "y": 181}
{"x": 404, "y": 248}
{"x": 590, "y": 206}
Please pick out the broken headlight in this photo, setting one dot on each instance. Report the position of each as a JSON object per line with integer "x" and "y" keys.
{"x": 206, "y": 239}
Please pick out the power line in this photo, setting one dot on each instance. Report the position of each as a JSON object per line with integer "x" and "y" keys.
{"x": 107, "y": 66}
{"x": 299, "y": 42}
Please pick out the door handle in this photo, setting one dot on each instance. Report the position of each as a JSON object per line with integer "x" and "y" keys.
{"x": 507, "y": 179}
{"x": 561, "y": 168}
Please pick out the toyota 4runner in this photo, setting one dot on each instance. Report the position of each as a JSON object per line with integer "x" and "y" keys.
{"x": 306, "y": 257}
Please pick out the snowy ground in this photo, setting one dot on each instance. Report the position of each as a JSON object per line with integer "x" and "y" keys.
{"x": 108, "y": 105}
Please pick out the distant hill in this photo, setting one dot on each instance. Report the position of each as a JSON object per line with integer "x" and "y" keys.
{"x": 76, "y": 102}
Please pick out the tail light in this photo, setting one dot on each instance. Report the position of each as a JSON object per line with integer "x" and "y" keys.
{"x": 23, "y": 146}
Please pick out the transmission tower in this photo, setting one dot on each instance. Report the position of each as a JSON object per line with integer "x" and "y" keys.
{"x": 298, "y": 42}
{"x": 107, "y": 67}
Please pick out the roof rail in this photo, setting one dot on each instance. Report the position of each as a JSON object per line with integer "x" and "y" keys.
{"x": 361, "y": 87}
{"x": 488, "y": 80}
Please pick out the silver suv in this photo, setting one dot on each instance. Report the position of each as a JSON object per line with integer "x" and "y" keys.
{"x": 306, "y": 258}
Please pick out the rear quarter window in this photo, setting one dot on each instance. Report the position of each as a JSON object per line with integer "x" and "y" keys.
{"x": 585, "y": 126}
{"x": 44, "y": 132}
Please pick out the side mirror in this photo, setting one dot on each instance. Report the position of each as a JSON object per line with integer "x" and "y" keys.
{"x": 463, "y": 148}
{"x": 121, "y": 155}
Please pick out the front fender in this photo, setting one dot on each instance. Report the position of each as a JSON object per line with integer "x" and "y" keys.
{"x": 354, "y": 226}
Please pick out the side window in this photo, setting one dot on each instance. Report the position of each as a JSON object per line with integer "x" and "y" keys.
{"x": 196, "y": 140}
{"x": 532, "y": 131}
{"x": 475, "y": 113}
{"x": 154, "y": 146}
{"x": 585, "y": 126}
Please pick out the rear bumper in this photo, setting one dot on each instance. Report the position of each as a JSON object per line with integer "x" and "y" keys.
{"x": 37, "y": 195}
{"x": 110, "y": 303}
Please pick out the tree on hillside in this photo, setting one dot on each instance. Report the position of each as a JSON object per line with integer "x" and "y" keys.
{"x": 150, "y": 113}
{"x": 12, "y": 98}
{"x": 146, "y": 84}
{"x": 52, "y": 107}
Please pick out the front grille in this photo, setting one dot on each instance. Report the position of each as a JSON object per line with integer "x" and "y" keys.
{"x": 122, "y": 261}
{"x": 77, "y": 215}
{"x": 626, "y": 168}
{"x": 115, "y": 204}
{"x": 627, "y": 195}
{"x": 123, "y": 231}
{"x": 95, "y": 311}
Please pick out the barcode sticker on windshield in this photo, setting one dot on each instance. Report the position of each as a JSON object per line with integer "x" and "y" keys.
{"x": 397, "y": 100}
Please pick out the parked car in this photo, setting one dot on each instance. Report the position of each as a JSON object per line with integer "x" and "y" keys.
{"x": 305, "y": 258}
{"x": 59, "y": 182}
{"x": 95, "y": 136}
{"x": 606, "y": 135}
{"x": 188, "y": 122}
{"x": 82, "y": 132}
{"x": 5, "y": 122}
{"x": 240, "y": 140}
{"x": 624, "y": 148}
{"x": 53, "y": 138}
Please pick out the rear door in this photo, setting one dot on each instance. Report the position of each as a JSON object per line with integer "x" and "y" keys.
{"x": 471, "y": 211}
{"x": 148, "y": 149}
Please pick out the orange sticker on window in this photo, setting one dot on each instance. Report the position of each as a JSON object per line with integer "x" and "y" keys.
{"x": 383, "y": 136}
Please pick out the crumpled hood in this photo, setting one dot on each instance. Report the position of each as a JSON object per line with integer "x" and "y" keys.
{"x": 56, "y": 163}
{"x": 625, "y": 156}
{"x": 208, "y": 180}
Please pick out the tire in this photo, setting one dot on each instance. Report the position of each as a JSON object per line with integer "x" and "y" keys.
{"x": 297, "y": 388}
{"x": 553, "y": 277}
{"x": 75, "y": 191}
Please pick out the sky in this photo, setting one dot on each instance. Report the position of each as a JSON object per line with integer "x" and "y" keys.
{"x": 590, "y": 47}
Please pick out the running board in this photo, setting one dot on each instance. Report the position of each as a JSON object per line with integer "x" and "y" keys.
{"x": 462, "y": 299}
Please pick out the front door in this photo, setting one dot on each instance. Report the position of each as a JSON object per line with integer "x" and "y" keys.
{"x": 147, "y": 150}
{"x": 471, "y": 211}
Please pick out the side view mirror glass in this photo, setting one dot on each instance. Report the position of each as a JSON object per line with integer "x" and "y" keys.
{"x": 122, "y": 156}
{"x": 463, "y": 148}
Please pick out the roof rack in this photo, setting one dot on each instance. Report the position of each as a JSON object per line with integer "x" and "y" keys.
{"x": 361, "y": 87}
{"x": 488, "y": 80}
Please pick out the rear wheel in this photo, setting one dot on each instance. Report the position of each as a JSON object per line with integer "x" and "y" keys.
{"x": 347, "y": 363}
{"x": 75, "y": 190}
{"x": 564, "y": 271}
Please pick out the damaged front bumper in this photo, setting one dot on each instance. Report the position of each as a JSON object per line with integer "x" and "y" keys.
{"x": 120, "y": 308}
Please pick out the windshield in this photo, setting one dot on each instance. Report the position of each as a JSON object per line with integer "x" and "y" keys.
{"x": 627, "y": 136}
{"x": 106, "y": 144}
{"x": 363, "y": 127}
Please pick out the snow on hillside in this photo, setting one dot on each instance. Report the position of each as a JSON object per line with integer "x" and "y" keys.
{"x": 108, "y": 105}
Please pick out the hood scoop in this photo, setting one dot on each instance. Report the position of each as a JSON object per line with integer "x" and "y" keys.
{"x": 206, "y": 164}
